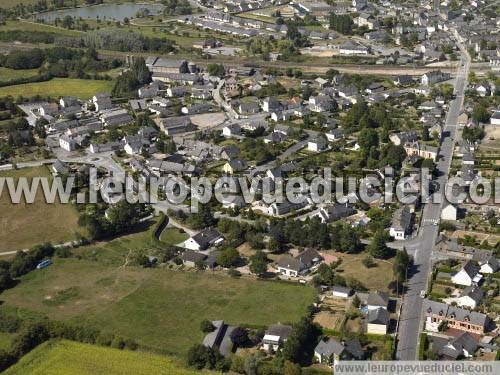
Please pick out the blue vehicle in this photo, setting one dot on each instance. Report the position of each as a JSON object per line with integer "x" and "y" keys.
{"x": 43, "y": 264}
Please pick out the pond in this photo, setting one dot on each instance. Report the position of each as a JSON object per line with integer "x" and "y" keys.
{"x": 115, "y": 12}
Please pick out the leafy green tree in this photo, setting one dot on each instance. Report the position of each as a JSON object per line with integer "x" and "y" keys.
{"x": 480, "y": 114}
{"x": 258, "y": 263}
{"x": 378, "y": 247}
{"x": 402, "y": 262}
{"x": 228, "y": 257}
{"x": 216, "y": 70}
{"x": 206, "y": 326}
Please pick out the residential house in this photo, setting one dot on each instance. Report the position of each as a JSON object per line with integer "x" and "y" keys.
{"x": 341, "y": 291}
{"x": 249, "y": 107}
{"x": 235, "y": 165}
{"x": 275, "y": 336}
{"x": 175, "y": 125}
{"x": 60, "y": 167}
{"x": 468, "y": 275}
{"x": 463, "y": 346}
{"x": 231, "y": 130}
{"x": 191, "y": 258}
{"x": 116, "y": 117}
{"x": 437, "y": 313}
{"x": 301, "y": 264}
{"x": 275, "y": 138}
{"x": 402, "y": 138}
{"x": 67, "y": 143}
{"x": 334, "y": 212}
{"x": 433, "y": 77}
{"x": 377, "y": 300}
{"x": 495, "y": 118}
{"x": 403, "y": 80}
{"x": 220, "y": 338}
{"x": 102, "y": 102}
{"x": 489, "y": 264}
{"x": 204, "y": 239}
{"x": 470, "y": 297}
{"x": 317, "y": 144}
{"x": 377, "y": 321}
{"x": 421, "y": 150}
{"x": 334, "y": 135}
{"x": 330, "y": 350}
{"x": 401, "y": 223}
{"x": 284, "y": 208}
{"x": 271, "y": 104}
{"x": 449, "y": 212}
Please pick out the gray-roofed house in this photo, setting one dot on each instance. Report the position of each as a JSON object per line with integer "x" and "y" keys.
{"x": 341, "y": 291}
{"x": 401, "y": 223}
{"x": 377, "y": 300}
{"x": 330, "y": 350}
{"x": 220, "y": 338}
{"x": 463, "y": 346}
{"x": 470, "y": 297}
{"x": 60, "y": 167}
{"x": 334, "y": 212}
{"x": 302, "y": 263}
{"x": 190, "y": 258}
{"x": 377, "y": 321}
{"x": 204, "y": 239}
{"x": 468, "y": 275}
{"x": 455, "y": 317}
{"x": 275, "y": 336}
{"x": 235, "y": 165}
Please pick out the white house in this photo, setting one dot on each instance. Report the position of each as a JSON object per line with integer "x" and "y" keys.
{"x": 488, "y": 265}
{"x": 377, "y": 321}
{"x": 317, "y": 144}
{"x": 468, "y": 275}
{"x": 203, "y": 240}
{"x": 275, "y": 336}
{"x": 470, "y": 297}
{"x": 401, "y": 223}
{"x": 341, "y": 291}
{"x": 449, "y": 212}
{"x": 377, "y": 300}
{"x": 67, "y": 143}
{"x": 231, "y": 130}
{"x": 495, "y": 118}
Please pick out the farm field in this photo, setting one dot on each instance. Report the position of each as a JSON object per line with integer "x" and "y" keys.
{"x": 81, "y": 88}
{"x": 160, "y": 308}
{"x": 25, "y": 225}
{"x": 68, "y": 357}
{"x": 7, "y": 74}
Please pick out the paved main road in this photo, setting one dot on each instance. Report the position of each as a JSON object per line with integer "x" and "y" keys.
{"x": 421, "y": 246}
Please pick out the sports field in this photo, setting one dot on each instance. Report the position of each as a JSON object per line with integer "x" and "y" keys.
{"x": 25, "y": 225}
{"x": 68, "y": 357}
{"x": 81, "y": 88}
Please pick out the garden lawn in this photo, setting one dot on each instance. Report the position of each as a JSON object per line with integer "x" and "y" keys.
{"x": 68, "y": 357}
{"x": 159, "y": 308}
{"x": 25, "y": 225}
{"x": 374, "y": 278}
{"x": 81, "y": 88}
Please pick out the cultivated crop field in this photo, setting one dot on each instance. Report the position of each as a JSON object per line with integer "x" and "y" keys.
{"x": 25, "y": 225}
{"x": 67, "y": 357}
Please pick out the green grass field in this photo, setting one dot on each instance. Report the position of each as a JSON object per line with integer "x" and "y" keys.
{"x": 7, "y": 74}
{"x": 32, "y": 26}
{"x": 25, "y": 225}
{"x": 5, "y": 340}
{"x": 67, "y": 357}
{"x": 81, "y": 88}
{"x": 160, "y": 308}
{"x": 173, "y": 236}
